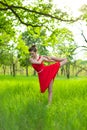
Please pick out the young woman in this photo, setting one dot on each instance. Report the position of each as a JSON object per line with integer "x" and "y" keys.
{"x": 46, "y": 73}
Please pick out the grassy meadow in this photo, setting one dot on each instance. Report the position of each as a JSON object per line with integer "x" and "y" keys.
{"x": 23, "y": 107}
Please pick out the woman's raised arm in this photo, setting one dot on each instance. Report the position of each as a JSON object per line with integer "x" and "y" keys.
{"x": 34, "y": 61}
{"x": 62, "y": 61}
{"x": 47, "y": 59}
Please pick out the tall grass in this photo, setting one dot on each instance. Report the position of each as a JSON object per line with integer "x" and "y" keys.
{"x": 23, "y": 107}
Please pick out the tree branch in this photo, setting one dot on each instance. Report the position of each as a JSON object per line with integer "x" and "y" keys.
{"x": 37, "y": 12}
{"x": 3, "y": 8}
{"x": 84, "y": 46}
{"x": 40, "y": 13}
{"x": 17, "y": 16}
{"x": 27, "y": 24}
{"x": 83, "y": 36}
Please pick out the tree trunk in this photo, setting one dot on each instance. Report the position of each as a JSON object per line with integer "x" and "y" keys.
{"x": 4, "y": 69}
{"x": 62, "y": 69}
{"x": 26, "y": 70}
{"x": 68, "y": 70}
{"x": 10, "y": 70}
{"x": 73, "y": 69}
{"x": 14, "y": 69}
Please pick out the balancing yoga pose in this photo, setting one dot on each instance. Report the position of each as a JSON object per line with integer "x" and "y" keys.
{"x": 46, "y": 73}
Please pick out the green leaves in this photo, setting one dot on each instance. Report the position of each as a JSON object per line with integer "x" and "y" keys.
{"x": 84, "y": 11}
{"x": 21, "y": 46}
{"x": 35, "y": 15}
{"x": 23, "y": 54}
{"x": 59, "y": 36}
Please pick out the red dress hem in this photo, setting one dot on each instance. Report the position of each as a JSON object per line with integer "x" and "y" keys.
{"x": 48, "y": 73}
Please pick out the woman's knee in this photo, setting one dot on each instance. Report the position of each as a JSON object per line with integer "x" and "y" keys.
{"x": 63, "y": 62}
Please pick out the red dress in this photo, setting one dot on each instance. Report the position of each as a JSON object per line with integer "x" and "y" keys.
{"x": 46, "y": 74}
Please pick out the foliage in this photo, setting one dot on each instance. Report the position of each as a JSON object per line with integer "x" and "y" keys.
{"x": 6, "y": 24}
{"x": 83, "y": 9}
{"x": 36, "y": 14}
{"x": 42, "y": 20}
{"x": 59, "y": 35}
{"x": 62, "y": 42}
{"x": 38, "y": 38}
{"x": 23, "y": 55}
{"x": 5, "y": 56}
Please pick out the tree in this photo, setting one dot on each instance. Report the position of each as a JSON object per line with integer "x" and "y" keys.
{"x": 4, "y": 50}
{"x": 85, "y": 39}
{"x": 34, "y": 15}
{"x": 42, "y": 21}
{"x": 83, "y": 9}
{"x": 37, "y": 38}
{"x": 63, "y": 44}
{"x": 22, "y": 53}
{"x": 81, "y": 66}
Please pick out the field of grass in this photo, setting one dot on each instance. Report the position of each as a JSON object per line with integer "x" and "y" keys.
{"x": 23, "y": 107}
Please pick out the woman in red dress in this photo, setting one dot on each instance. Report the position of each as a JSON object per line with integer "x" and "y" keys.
{"x": 46, "y": 73}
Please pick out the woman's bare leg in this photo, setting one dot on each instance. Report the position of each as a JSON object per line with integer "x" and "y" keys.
{"x": 62, "y": 61}
{"x": 50, "y": 91}
{"x": 58, "y": 59}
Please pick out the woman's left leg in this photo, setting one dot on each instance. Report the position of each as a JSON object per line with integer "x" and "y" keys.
{"x": 62, "y": 61}
{"x": 50, "y": 91}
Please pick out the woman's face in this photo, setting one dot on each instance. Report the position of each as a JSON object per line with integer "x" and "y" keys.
{"x": 33, "y": 54}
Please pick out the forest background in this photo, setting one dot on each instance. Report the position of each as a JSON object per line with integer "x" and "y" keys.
{"x": 53, "y": 29}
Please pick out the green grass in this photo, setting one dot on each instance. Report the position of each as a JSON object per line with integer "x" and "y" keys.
{"x": 23, "y": 107}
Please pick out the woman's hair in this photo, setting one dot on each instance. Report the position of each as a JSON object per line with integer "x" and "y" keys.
{"x": 32, "y": 48}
